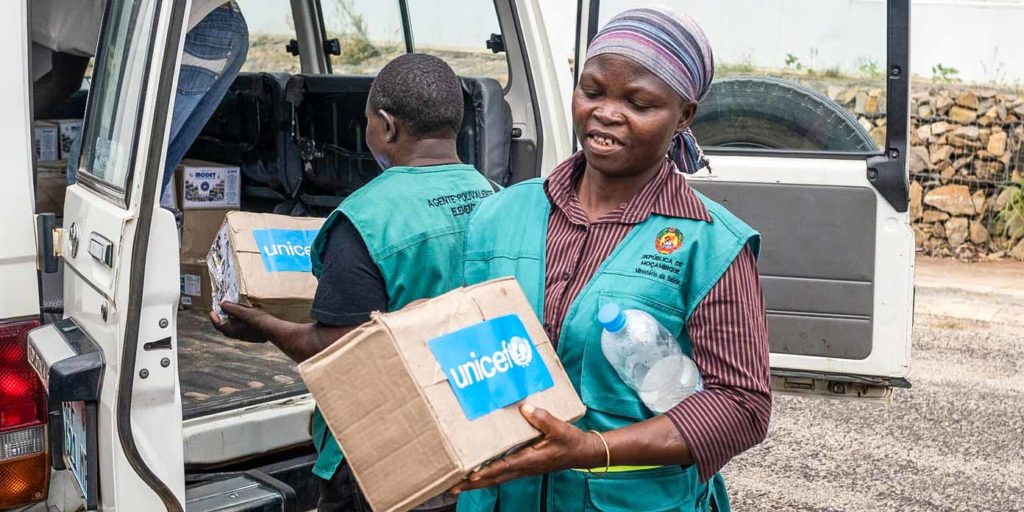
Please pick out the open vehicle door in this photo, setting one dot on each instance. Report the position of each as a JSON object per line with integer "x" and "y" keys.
{"x": 807, "y": 139}
{"x": 110, "y": 365}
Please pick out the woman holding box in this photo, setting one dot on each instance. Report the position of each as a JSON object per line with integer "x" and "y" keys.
{"x": 579, "y": 239}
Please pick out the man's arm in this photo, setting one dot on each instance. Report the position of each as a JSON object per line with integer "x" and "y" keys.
{"x": 350, "y": 288}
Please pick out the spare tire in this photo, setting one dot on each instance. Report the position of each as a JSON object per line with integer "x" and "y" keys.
{"x": 770, "y": 113}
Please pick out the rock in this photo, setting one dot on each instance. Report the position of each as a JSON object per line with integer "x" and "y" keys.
{"x": 919, "y": 237}
{"x": 1018, "y": 251}
{"x": 980, "y": 205}
{"x": 978, "y": 233}
{"x": 957, "y": 231}
{"x": 919, "y": 160}
{"x": 941, "y": 153}
{"x": 939, "y": 230}
{"x": 833, "y": 92}
{"x": 924, "y": 111}
{"x": 865, "y": 123}
{"x": 924, "y": 133}
{"x": 933, "y": 216}
{"x": 916, "y": 205}
{"x": 997, "y": 143}
{"x": 942, "y": 102}
{"x": 963, "y": 115}
{"x": 878, "y": 135}
{"x": 946, "y": 173}
{"x": 968, "y": 100}
{"x": 871, "y": 105}
{"x": 953, "y": 199}
{"x": 968, "y": 132}
{"x": 861, "y": 104}
{"x": 1004, "y": 198}
{"x": 851, "y": 94}
{"x": 939, "y": 128}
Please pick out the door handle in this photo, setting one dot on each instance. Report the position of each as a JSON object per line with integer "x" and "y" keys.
{"x": 101, "y": 249}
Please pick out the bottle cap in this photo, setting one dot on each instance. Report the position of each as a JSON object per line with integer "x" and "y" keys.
{"x": 611, "y": 317}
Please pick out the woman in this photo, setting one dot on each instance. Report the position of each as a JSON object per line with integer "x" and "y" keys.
{"x": 617, "y": 222}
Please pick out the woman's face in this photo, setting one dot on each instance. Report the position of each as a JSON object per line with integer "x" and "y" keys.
{"x": 625, "y": 116}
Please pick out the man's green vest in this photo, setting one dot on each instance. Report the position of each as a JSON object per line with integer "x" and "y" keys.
{"x": 412, "y": 220}
{"x": 664, "y": 266}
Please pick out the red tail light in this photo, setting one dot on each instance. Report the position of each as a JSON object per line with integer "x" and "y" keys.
{"x": 24, "y": 464}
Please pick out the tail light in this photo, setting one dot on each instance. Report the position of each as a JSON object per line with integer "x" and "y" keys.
{"x": 24, "y": 463}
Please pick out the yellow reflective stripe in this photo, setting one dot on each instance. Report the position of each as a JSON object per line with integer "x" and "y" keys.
{"x": 617, "y": 469}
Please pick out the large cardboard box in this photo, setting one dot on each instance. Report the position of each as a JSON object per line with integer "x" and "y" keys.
{"x": 421, "y": 397}
{"x": 51, "y": 187}
{"x": 45, "y": 141}
{"x": 196, "y": 292}
{"x": 198, "y": 229}
{"x": 262, "y": 260}
{"x": 208, "y": 185}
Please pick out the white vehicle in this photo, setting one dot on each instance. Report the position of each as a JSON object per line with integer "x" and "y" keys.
{"x": 141, "y": 406}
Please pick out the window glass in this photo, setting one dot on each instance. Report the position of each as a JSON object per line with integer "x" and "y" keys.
{"x": 369, "y": 34}
{"x": 457, "y": 31}
{"x": 271, "y": 27}
{"x": 790, "y": 74}
{"x": 116, "y": 93}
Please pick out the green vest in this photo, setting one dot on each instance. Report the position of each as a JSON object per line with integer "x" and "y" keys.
{"x": 649, "y": 271}
{"x": 412, "y": 220}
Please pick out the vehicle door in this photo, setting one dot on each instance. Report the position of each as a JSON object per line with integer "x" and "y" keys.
{"x": 806, "y": 130}
{"x": 119, "y": 430}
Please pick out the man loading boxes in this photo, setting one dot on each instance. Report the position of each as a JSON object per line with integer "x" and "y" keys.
{"x": 385, "y": 246}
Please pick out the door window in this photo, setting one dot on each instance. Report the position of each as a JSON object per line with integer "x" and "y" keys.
{"x": 369, "y": 34}
{"x": 457, "y": 31}
{"x": 789, "y": 74}
{"x": 271, "y": 29}
{"x": 115, "y": 99}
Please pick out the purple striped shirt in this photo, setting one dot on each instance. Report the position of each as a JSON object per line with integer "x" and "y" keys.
{"x": 727, "y": 329}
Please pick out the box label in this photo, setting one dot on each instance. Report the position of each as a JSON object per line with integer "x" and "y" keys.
{"x": 491, "y": 364}
{"x": 285, "y": 250}
{"x": 191, "y": 285}
{"x": 211, "y": 187}
{"x": 45, "y": 143}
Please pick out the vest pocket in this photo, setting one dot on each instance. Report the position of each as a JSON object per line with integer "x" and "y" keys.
{"x": 601, "y": 387}
{"x": 656, "y": 490}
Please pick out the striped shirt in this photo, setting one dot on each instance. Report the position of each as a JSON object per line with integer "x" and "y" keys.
{"x": 727, "y": 329}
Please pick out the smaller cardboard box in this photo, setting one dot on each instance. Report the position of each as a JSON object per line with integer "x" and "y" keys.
{"x": 208, "y": 185}
{"x": 196, "y": 292}
{"x": 421, "y": 397}
{"x": 51, "y": 187}
{"x": 68, "y": 130}
{"x": 262, "y": 260}
{"x": 45, "y": 137}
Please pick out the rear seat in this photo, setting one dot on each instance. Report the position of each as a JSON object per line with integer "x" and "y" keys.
{"x": 329, "y": 132}
{"x": 252, "y": 129}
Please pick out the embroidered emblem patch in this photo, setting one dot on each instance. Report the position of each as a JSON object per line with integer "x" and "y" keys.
{"x": 668, "y": 240}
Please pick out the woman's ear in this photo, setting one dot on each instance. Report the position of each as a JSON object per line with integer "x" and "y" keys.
{"x": 687, "y": 111}
{"x": 390, "y": 126}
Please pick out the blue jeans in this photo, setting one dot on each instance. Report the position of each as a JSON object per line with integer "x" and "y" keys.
{"x": 213, "y": 55}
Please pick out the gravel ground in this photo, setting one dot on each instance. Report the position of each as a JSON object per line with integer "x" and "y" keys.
{"x": 953, "y": 442}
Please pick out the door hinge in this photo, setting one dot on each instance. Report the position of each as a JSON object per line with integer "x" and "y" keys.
{"x": 58, "y": 242}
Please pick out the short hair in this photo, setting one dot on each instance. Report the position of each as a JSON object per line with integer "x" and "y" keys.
{"x": 423, "y": 92}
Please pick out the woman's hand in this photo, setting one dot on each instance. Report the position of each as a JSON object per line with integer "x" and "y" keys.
{"x": 243, "y": 322}
{"x": 562, "y": 447}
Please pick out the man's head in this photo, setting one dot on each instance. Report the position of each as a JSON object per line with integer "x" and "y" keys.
{"x": 414, "y": 98}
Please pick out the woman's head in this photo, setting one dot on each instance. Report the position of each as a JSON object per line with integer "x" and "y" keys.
{"x": 638, "y": 91}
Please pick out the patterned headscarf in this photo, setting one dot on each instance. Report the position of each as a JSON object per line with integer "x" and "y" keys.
{"x": 673, "y": 48}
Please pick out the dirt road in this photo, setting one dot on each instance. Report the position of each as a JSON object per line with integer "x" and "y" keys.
{"x": 953, "y": 442}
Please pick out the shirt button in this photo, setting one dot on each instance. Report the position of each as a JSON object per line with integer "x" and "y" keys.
{"x": 566, "y": 275}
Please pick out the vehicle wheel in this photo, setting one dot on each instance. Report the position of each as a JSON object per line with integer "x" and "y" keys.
{"x": 770, "y": 113}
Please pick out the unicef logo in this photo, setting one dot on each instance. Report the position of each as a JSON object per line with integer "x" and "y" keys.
{"x": 519, "y": 351}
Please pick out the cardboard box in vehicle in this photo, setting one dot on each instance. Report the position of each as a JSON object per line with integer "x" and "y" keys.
{"x": 51, "y": 186}
{"x": 45, "y": 137}
{"x": 421, "y": 397}
{"x": 262, "y": 260}
{"x": 208, "y": 185}
{"x": 196, "y": 292}
{"x": 68, "y": 130}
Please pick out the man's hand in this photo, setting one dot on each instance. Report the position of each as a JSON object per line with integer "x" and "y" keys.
{"x": 562, "y": 447}
{"x": 243, "y": 322}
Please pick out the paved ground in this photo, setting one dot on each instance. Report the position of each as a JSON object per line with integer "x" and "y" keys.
{"x": 953, "y": 442}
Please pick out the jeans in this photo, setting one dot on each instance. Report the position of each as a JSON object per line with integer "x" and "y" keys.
{"x": 341, "y": 493}
{"x": 213, "y": 55}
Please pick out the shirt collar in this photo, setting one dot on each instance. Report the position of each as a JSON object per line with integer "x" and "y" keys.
{"x": 666, "y": 194}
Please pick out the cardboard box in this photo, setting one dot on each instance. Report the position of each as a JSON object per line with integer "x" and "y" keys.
{"x": 51, "y": 187}
{"x": 262, "y": 260}
{"x": 45, "y": 137}
{"x": 208, "y": 185}
{"x": 198, "y": 229}
{"x": 196, "y": 292}
{"x": 68, "y": 130}
{"x": 415, "y": 409}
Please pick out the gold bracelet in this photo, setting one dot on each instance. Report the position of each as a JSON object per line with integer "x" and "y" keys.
{"x": 607, "y": 451}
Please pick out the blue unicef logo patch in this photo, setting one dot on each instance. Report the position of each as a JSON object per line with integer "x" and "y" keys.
{"x": 285, "y": 250}
{"x": 491, "y": 364}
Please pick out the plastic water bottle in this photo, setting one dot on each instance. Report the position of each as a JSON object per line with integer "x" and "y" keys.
{"x": 647, "y": 357}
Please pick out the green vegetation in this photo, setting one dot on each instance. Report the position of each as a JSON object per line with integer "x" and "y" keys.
{"x": 945, "y": 75}
{"x": 1012, "y": 215}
